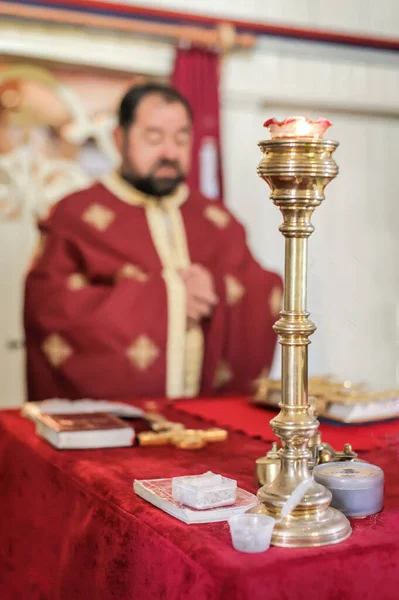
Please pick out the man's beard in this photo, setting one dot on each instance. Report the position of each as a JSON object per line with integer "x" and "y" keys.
{"x": 152, "y": 185}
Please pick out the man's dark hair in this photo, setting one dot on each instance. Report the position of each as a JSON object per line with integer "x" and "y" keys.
{"x": 133, "y": 97}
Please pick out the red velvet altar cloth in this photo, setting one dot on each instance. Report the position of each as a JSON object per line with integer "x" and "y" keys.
{"x": 71, "y": 528}
{"x": 239, "y": 414}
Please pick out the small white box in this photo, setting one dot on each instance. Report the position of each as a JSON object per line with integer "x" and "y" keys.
{"x": 204, "y": 491}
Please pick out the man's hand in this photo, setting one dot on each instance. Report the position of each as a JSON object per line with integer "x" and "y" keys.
{"x": 201, "y": 295}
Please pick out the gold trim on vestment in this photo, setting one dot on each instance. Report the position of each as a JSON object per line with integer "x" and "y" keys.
{"x": 127, "y": 193}
{"x": 176, "y": 294}
{"x": 185, "y": 348}
{"x": 194, "y": 342}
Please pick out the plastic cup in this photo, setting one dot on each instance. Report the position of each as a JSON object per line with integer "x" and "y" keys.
{"x": 250, "y": 532}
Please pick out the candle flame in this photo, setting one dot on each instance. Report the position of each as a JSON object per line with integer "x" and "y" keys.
{"x": 297, "y": 127}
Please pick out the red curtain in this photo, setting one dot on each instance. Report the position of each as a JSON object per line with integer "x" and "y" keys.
{"x": 196, "y": 76}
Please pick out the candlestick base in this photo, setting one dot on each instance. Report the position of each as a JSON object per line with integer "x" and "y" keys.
{"x": 313, "y": 523}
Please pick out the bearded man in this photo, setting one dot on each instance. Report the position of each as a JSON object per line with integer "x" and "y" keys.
{"x": 143, "y": 288}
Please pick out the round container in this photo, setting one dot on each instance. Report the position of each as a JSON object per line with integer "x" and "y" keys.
{"x": 357, "y": 488}
{"x": 251, "y": 533}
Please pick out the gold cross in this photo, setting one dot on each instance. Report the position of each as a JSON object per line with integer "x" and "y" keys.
{"x": 185, "y": 439}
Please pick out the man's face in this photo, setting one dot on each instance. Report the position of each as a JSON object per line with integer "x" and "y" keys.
{"x": 156, "y": 148}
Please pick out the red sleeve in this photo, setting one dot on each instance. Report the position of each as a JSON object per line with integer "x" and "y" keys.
{"x": 85, "y": 336}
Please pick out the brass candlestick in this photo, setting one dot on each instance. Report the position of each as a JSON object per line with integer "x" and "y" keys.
{"x": 297, "y": 168}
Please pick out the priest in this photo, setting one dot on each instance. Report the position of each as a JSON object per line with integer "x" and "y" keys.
{"x": 141, "y": 286}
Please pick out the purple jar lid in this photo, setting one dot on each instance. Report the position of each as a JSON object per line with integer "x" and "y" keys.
{"x": 348, "y": 475}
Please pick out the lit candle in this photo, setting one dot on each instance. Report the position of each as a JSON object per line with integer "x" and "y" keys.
{"x": 297, "y": 127}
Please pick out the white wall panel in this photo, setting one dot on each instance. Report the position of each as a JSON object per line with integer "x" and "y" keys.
{"x": 352, "y": 254}
{"x": 102, "y": 49}
{"x": 17, "y": 242}
{"x": 287, "y": 71}
{"x": 364, "y": 17}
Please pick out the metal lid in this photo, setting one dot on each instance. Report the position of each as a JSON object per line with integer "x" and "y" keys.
{"x": 349, "y": 475}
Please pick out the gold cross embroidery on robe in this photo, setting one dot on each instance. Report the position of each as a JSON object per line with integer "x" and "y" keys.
{"x": 234, "y": 290}
{"x": 38, "y": 251}
{"x": 217, "y": 216}
{"x": 143, "y": 352}
{"x": 98, "y": 216}
{"x": 261, "y": 385}
{"x": 223, "y": 375}
{"x": 275, "y": 301}
{"x": 77, "y": 281}
{"x": 130, "y": 271}
{"x": 56, "y": 349}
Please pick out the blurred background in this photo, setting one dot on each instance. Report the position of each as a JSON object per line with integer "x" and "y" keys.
{"x": 65, "y": 65}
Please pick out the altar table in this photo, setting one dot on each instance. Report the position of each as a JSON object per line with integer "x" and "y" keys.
{"x": 71, "y": 527}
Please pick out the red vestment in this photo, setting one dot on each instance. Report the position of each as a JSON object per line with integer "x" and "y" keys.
{"x": 105, "y": 308}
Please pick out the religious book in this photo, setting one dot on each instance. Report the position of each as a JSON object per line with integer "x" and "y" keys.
{"x": 159, "y": 493}
{"x": 85, "y": 430}
{"x": 54, "y": 406}
{"x": 345, "y": 402}
{"x": 363, "y": 410}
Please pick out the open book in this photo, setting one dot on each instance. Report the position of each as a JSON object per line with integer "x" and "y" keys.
{"x": 55, "y": 406}
{"x": 159, "y": 493}
{"x": 86, "y": 430}
{"x": 364, "y": 410}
